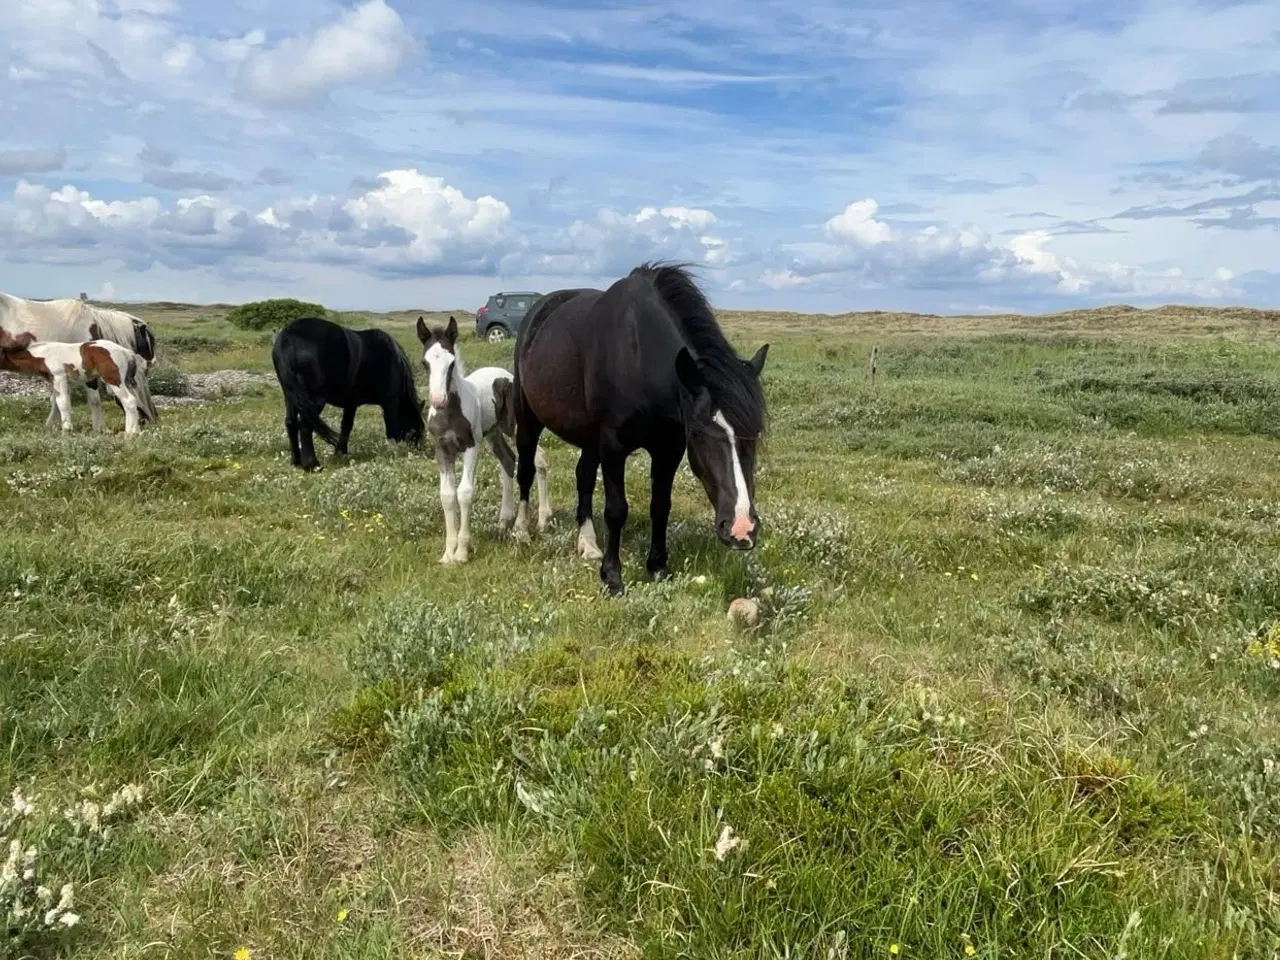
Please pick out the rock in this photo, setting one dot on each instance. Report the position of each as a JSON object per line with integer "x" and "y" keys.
{"x": 744, "y": 613}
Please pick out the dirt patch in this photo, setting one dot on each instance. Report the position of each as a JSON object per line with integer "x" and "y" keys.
{"x": 203, "y": 386}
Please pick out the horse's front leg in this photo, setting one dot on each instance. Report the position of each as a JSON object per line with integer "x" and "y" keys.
{"x": 588, "y": 467}
{"x": 344, "y": 433}
{"x": 466, "y": 490}
{"x": 662, "y": 472}
{"x": 95, "y": 407}
{"x": 448, "y": 500}
{"x": 614, "y": 468}
{"x": 528, "y": 430}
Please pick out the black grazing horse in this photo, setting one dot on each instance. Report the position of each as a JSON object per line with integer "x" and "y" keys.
{"x": 318, "y": 362}
{"x": 642, "y": 365}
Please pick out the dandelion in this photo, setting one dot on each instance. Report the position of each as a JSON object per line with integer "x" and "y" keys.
{"x": 894, "y": 949}
{"x": 342, "y": 914}
{"x": 242, "y": 953}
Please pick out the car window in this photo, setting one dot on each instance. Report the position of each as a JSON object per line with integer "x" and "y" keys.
{"x": 520, "y": 305}
{"x": 499, "y": 302}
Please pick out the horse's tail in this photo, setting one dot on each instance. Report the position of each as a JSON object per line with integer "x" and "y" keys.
{"x": 137, "y": 379}
{"x": 297, "y": 394}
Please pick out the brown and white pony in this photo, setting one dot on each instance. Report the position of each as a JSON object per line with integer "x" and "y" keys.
{"x": 89, "y": 362}
{"x": 68, "y": 321}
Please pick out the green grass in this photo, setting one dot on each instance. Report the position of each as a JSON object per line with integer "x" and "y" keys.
{"x": 1013, "y": 692}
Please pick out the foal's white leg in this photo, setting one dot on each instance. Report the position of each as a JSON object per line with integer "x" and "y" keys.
{"x": 95, "y": 407}
{"x": 544, "y": 496}
{"x": 54, "y": 417}
{"x": 130, "y": 404}
{"x": 62, "y": 394}
{"x": 466, "y": 490}
{"x": 507, "y": 513}
{"x": 448, "y": 500}
{"x": 588, "y": 549}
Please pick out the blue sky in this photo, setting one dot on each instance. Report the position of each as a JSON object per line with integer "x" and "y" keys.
{"x": 948, "y": 157}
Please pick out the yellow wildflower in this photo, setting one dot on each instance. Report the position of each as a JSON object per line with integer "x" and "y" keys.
{"x": 342, "y": 914}
{"x": 893, "y": 949}
{"x": 242, "y": 953}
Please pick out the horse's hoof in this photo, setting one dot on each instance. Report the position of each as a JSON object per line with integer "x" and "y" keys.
{"x": 613, "y": 583}
{"x": 589, "y": 551}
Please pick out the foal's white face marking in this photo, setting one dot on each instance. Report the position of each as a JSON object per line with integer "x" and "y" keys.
{"x": 439, "y": 360}
{"x": 742, "y": 522}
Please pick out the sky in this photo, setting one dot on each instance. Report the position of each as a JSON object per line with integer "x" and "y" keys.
{"x": 815, "y": 155}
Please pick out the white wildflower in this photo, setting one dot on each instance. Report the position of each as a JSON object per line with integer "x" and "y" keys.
{"x": 69, "y": 919}
{"x": 22, "y": 806}
{"x": 716, "y": 747}
{"x": 727, "y": 842}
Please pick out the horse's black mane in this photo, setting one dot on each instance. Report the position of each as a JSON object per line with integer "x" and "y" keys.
{"x": 734, "y": 387}
{"x": 402, "y": 366}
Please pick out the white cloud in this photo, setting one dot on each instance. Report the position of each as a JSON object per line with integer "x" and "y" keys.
{"x": 858, "y": 223}
{"x": 861, "y": 252}
{"x": 408, "y": 223}
{"x": 612, "y": 243}
{"x": 369, "y": 40}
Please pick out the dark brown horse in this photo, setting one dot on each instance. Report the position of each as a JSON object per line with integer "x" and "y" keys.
{"x": 640, "y": 366}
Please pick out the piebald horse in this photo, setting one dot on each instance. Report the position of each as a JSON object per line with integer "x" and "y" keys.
{"x": 640, "y": 366}
{"x": 464, "y": 409}
{"x": 68, "y": 321}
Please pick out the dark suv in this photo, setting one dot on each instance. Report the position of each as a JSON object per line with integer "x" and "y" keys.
{"x": 502, "y": 316}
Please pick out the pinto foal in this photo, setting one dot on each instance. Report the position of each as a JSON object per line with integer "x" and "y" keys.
{"x": 93, "y": 361}
{"x": 464, "y": 409}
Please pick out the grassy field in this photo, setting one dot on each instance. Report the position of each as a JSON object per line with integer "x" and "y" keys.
{"x": 1013, "y": 693}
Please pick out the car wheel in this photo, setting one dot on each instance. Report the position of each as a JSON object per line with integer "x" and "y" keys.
{"x": 496, "y": 334}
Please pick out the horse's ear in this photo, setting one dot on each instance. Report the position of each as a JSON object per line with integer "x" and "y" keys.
{"x": 756, "y": 363}
{"x": 688, "y": 372}
{"x": 451, "y": 331}
{"x": 423, "y": 333}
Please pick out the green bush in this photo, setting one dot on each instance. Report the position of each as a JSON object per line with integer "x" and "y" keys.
{"x": 272, "y": 314}
{"x": 166, "y": 380}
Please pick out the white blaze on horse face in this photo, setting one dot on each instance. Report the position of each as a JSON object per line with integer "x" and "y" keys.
{"x": 742, "y": 522}
{"x": 439, "y": 360}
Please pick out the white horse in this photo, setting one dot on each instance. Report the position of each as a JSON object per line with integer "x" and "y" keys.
{"x": 68, "y": 321}
{"x": 462, "y": 411}
{"x": 89, "y": 362}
